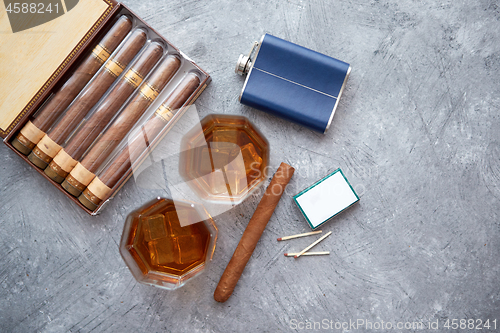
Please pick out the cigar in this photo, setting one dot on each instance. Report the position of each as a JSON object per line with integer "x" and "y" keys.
{"x": 34, "y": 130}
{"x": 67, "y": 157}
{"x": 253, "y": 232}
{"x": 100, "y": 187}
{"x": 83, "y": 173}
{"x": 50, "y": 144}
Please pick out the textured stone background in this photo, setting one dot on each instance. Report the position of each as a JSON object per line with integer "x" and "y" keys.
{"x": 417, "y": 133}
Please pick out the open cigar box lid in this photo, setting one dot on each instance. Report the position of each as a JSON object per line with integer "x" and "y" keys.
{"x": 38, "y": 47}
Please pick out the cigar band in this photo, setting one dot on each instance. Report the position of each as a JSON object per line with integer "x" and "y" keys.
{"x": 64, "y": 161}
{"x": 164, "y": 112}
{"x": 99, "y": 189}
{"x": 100, "y": 53}
{"x": 149, "y": 92}
{"x": 48, "y": 146}
{"x": 81, "y": 174}
{"x": 133, "y": 78}
{"x": 114, "y": 67}
{"x": 32, "y": 133}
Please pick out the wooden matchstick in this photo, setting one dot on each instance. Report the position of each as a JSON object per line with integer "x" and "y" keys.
{"x": 310, "y": 246}
{"x": 300, "y": 235}
{"x": 308, "y": 254}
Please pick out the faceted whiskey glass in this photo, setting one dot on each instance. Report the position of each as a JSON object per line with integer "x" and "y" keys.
{"x": 225, "y": 162}
{"x": 167, "y": 243}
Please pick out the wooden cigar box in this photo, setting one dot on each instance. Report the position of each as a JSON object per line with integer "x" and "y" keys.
{"x": 36, "y": 61}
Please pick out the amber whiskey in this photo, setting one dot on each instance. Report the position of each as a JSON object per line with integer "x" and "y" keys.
{"x": 168, "y": 242}
{"x": 227, "y": 160}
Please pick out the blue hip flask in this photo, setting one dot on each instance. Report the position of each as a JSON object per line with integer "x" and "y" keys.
{"x": 292, "y": 82}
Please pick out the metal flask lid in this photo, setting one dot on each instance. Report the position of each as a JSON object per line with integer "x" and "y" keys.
{"x": 243, "y": 65}
{"x": 245, "y": 62}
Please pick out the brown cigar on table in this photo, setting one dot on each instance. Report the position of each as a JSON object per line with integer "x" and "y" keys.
{"x": 34, "y": 130}
{"x": 253, "y": 232}
{"x": 83, "y": 173}
{"x": 50, "y": 144}
{"x": 100, "y": 187}
{"x": 67, "y": 157}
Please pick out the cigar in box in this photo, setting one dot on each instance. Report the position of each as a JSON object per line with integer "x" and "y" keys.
{"x": 50, "y": 143}
{"x": 71, "y": 152}
{"x": 101, "y": 186}
{"x": 82, "y": 173}
{"x": 34, "y": 130}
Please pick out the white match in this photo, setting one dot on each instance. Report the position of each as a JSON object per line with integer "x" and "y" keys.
{"x": 310, "y": 246}
{"x": 300, "y": 235}
{"x": 308, "y": 254}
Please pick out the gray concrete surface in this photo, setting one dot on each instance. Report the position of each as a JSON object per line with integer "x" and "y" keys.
{"x": 417, "y": 133}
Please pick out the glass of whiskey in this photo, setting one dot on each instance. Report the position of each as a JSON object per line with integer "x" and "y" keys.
{"x": 167, "y": 243}
{"x": 226, "y": 161}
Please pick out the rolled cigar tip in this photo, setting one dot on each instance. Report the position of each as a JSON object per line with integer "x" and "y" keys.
{"x": 20, "y": 147}
{"x": 221, "y": 298}
{"x": 122, "y": 25}
{"x": 164, "y": 72}
{"x": 86, "y": 202}
{"x": 138, "y": 35}
{"x": 286, "y": 169}
{"x": 194, "y": 79}
{"x": 52, "y": 174}
{"x": 155, "y": 47}
{"x": 125, "y": 21}
{"x": 70, "y": 188}
{"x": 37, "y": 161}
